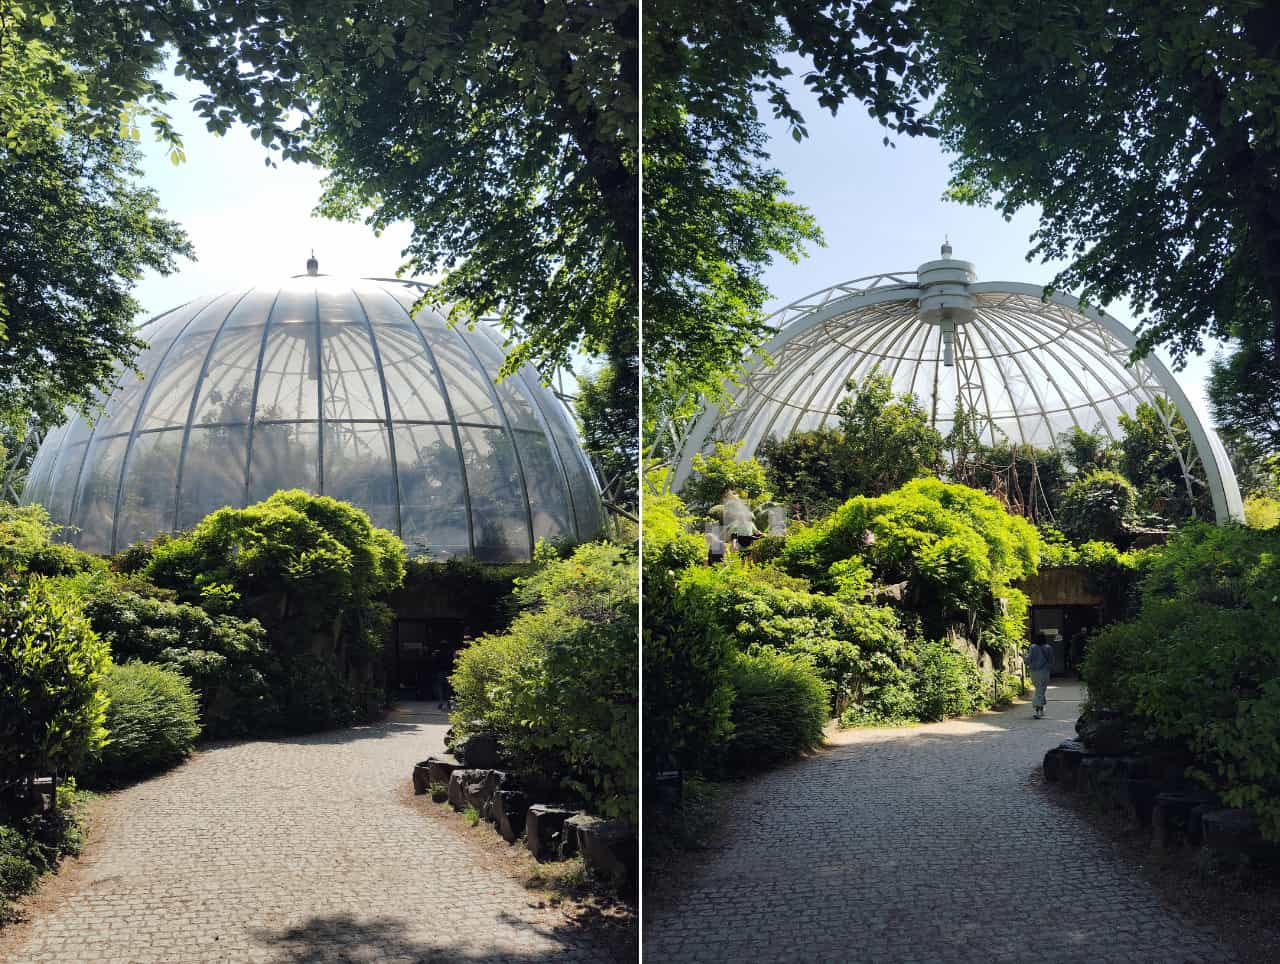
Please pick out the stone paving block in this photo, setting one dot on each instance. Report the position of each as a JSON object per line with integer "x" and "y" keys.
{"x": 922, "y": 844}
{"x": 299, "y": 849}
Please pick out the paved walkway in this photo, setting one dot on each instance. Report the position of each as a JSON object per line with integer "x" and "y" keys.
{"x": 304, "y": 849}
{"x": 919, "y": 844}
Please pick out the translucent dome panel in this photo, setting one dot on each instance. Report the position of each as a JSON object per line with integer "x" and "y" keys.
{"x": 1026, "y": 370}
{"x": 1025, "y": 366}
{"x": 336, "y": 388}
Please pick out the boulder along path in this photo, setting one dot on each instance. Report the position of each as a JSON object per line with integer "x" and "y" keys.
{"x": 930, "y": 843}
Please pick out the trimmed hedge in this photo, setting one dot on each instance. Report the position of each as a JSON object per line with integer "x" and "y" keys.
{"x": 779, "y": 708}
{"x": 152, "y": 722}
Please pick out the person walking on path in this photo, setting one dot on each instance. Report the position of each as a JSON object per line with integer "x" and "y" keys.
{"x": 1039, "y": 665}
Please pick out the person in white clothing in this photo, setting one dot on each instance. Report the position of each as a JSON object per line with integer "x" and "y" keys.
{"x": 1039, "y": 665}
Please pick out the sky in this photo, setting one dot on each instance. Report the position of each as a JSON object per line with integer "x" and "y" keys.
{"x": 881, "y": 210}
{"x": 248, "y": 222}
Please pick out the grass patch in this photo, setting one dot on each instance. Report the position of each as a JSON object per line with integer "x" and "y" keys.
{"x": 471, "y": 815}
{"x": 561, "y": 880}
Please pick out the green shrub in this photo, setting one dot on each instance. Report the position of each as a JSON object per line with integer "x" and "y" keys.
{"x": 52, "y": 702}
{"x": 669, "y": 543}
{"x": 33, "y": 845}
{"x": 312, "y": 570}
{"x": 957, "y": 550}
{"x": 1009, "y": 687}
{"x": 1199, "y": 665}
{"x": 223, "y": 657}
{"x": 1100, "y": 505}
{"x": 947, "y": 683}
{"x": 27, "y": 547}
{"x": 779, "y": 708}
{"x": 891, "y": 700}
{"x": 687, "y": 692}
{"x": 152, "y": 722}
{"x": 18, "y": 875}
{"x": 766, "y": 549}
{"x": 1261, "y": 511}
{"x": 854, "y": 647}
{"x": 558, "y": 689}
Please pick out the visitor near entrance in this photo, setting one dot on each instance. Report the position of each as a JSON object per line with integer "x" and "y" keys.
{"x": 1040, "y": 664}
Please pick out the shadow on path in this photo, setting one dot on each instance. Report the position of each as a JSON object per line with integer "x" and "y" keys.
{"x": 344, "y": 937}
{"x": 925, "y": 843}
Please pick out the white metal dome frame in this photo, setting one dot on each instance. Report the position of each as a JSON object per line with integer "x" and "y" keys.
{"x": 1073, "y": 359}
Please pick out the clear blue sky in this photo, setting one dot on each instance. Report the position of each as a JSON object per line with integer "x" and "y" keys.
{"x": 881, "y": 210}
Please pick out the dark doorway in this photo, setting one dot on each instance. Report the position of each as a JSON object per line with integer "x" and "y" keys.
{"x": 422, "y": 653}
{"x": 1066, "y": 627}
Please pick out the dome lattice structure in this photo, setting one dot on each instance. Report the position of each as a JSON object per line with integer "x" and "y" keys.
{"x": 1026, "y": 366}
{"x": 330, "y": 386}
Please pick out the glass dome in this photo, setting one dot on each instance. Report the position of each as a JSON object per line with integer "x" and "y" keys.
{"x": 329, "y": 386}
{"x": 1028, "y": 367}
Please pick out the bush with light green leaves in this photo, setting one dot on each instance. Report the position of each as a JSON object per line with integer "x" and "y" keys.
{"x": 52, "y": 702}
{"x": 956, "y": 550}
{"x": 558, "y": 688}
{"x": 1199, "y": 664}
{"x": 152, "y": 722}
{"x": 856, "y": 648}
{"x": 314, "y": 572}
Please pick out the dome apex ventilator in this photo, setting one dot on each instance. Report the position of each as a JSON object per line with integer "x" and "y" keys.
{"x": 1027, "y": 365}
{"x": 330, "y": 386}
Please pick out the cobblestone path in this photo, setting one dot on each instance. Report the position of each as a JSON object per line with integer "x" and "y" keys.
{"x": 303, "y": 849}
{"x": 919, "y": 844}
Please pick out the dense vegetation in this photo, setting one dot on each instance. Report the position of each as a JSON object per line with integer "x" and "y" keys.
{"x": 272, "y": 618}
{"x": 559, "y": 687}
{"x": 313, "y": 572}
{"x": 877, "y": 613}
{"x": 1198, "y": 665}
{"x": 152, "y": 722}
{"x": 884, "y": 439}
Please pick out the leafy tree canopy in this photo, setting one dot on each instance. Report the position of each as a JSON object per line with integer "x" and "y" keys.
{"x": 76, "y": 230}
{"x": 888, "y": 438}
{"x": 722, "y": 472}
{"x": 715, "y": 213}
{"x": 1145, "y": 132}
{"x": 1244, "y": 395}
{"x": 607, "y": 405}
{"x": 507, "y": 133}
{"x": 1155, "y": 441}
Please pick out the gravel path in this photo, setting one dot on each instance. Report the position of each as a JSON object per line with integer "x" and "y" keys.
{"x": 302, "y": 849}
{"x": 929, "y": 844}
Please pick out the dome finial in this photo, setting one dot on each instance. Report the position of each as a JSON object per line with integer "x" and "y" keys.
{"x": 946, "y": 246}
{"x": 313, "y": 266}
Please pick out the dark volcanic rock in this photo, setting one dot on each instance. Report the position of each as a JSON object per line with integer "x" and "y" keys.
{"x": 609, "y": 848}
{"x": 479, "y": 751}
{"x": 460, "y": 782}
{"x": 543, "y": 825}
{"x": 508, "y": 809}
